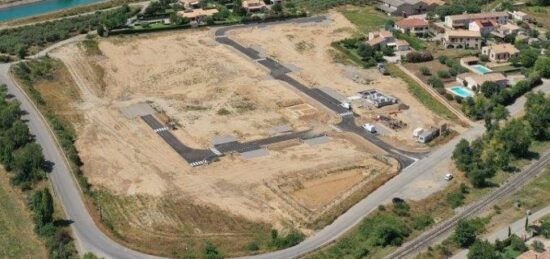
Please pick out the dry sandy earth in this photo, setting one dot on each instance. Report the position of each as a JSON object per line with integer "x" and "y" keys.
{"x": 190, "y": 78}
{"x": 308, "y": 48}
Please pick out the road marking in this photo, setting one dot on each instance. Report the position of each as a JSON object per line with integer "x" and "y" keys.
{"x": 343, "y": 114}
{"x": 216, "y": 151}
{"x": 161, "y": 129}
{"x": 336, "y": 128}
{"x": 198, "y": 163}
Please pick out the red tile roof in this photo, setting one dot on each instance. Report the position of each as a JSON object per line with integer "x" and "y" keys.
{"x": 412, "y": 22}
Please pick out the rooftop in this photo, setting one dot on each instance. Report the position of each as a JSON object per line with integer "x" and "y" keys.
{"x": 477, "y": 16}
{"x": 198, "y": 13}
{"x": 463, "y": 33}
{"x": 486, "y": 23}
{"x": 412, "y": 22}
{"x": 503, "y": 48}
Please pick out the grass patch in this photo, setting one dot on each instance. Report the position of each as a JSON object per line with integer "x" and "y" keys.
{"x": 317, "y": 6}
{"x": 540, "y": 13}
{"x": 18, "y": 239}
{"x": 91, "y": 47}
{"x": 424, "y": 97}
{"x": 366, "y": 18}
{"x": 415, "y": 42}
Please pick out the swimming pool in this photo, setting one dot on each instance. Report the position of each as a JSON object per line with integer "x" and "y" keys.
{"x": 481, "y": 69}
{"x": 461, "y": 91}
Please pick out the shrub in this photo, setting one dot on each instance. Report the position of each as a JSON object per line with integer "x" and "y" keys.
{"x": 442, "y": 59}
{"x": 223, "y": 112}
{"x": 435, "y": 82}
{"x": 422, "y": 221}
{"x": 484, "y": 58}
{"x": 425, "y": 71}
{"x": 443, "y": 74}
{"x": 455, "y": 199}
{"x": 449, "y": 96}
{"x": 417, "y": 57}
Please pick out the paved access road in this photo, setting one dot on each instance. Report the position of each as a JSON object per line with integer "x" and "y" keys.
{"x": 442, "y": 230}
{"x": 280, "y": 72}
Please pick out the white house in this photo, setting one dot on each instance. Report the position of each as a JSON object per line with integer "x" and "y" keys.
{"x": 463, "y": 20}
{"x": 519, "y": 16}
{"x": 474, "y": 81}
{"x": 414, "y": 26}
{"x": 462, "y": 39}
{"x": 500, "y": 52}
{"x": 484, "y": 27}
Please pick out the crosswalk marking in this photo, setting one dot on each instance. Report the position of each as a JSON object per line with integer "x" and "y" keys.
{"x": 343, "y": 114}
{"x": 198, "y": 163}
{"x": 216, "y": 151}
{"x": 161, "y": 129}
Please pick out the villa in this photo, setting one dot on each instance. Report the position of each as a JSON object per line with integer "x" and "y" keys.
{"x": 197, "y": 15}
{"x": 500, "y": 52}
{"x": 463, "y": 20}
{"x": 474, "y": 81}
{"x": 485, "y": 27}
{"x": 415, "y": 26}
{"x": 380, "y": 38}
{"x": 462, "y": 39}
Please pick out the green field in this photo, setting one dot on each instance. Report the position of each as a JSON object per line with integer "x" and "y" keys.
{"x": 17, "y": 239}
{"x": 366, "y": 18}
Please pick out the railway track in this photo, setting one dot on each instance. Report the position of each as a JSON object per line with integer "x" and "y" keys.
{"x": 431, "y": 236}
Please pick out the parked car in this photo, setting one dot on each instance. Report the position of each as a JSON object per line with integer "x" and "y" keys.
{"x": 346, "y": 105}
{"x": 448, "y": 177}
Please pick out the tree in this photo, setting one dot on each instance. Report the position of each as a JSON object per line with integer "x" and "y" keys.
{"x": 42, "y": 206}
{"x": 465, "y": 233}
{"x": 517, "y": 137}
{"x": 538, "y": 246}
{"x": 463, "y": 155}
{"x": 528, "y": 57}
{"x": 277, "y": 8}
{"x": 489, "y": 89}
{"x": 365, "y": 51}
{"x": 482, "y": 250}
{"x": 28, "y": 162}
{"x": 545, "y": 229}
{"x": 435, "y": 82}
{"x": 539, "y": 115}
{"x": 542, "y": 66}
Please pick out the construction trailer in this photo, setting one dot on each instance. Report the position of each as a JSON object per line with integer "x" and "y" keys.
{"x": 428, "y": 135}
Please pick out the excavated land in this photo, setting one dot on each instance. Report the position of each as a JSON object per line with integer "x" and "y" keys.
{"x": 306, "y": 48}
{"x": 205, "y": 90}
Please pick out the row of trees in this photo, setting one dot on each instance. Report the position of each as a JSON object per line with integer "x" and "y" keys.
{"x": 482, "y": 106}
{"x": 483, "y": 157}
{"x": 19, "y": 41}
{"x": 23, "y": 158}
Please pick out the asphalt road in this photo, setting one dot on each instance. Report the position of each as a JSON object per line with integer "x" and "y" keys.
{"x": 280, "y": 72}
{"x": 444, "y": 229}
{"x": 87, "y": 234}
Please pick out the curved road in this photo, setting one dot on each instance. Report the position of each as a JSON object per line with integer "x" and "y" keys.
{"x": 90, "y": 238}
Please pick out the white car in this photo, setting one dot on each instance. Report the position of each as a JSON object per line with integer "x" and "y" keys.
{"x": 448, "y": 177}
{"x": 370, "y": 128}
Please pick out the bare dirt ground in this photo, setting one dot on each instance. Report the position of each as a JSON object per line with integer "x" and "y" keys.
{"x": 308, "y": 47}
{"x": 209, "y": 90}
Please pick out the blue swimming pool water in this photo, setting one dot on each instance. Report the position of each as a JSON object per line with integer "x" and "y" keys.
{"x": 461, "y": 91}
{"x": 481, "y": 69}
{"x": 39, "y": 8}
